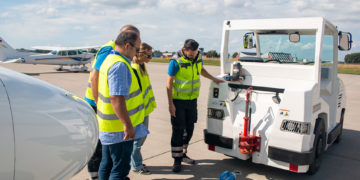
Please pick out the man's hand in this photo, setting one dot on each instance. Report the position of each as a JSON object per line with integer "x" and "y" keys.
{"x": 119, "y": 105}
{"x": 129, "y": 132}
{"x": 172, "y": 110}
{"x": 218, "y": 81}
{"x": 169, "y": 84}
{"x": 209, "y": 76}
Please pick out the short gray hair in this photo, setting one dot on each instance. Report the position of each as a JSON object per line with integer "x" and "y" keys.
{"x": 127, "y": 36}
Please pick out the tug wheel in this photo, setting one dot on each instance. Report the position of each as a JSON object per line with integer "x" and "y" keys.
{"x": 319, "y": 147}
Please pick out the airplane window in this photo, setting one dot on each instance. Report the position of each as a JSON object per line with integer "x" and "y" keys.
{"x": 53, "y": 52}
{"x": 62, "y": 53}
{"x": 79, "y": 51}
{"x": 71, "y": 53}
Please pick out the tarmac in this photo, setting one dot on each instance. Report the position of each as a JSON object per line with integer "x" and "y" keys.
{"x": 340, "y": 161}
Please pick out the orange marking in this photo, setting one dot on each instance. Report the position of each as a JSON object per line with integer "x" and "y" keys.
{"x": 285, "y": 110}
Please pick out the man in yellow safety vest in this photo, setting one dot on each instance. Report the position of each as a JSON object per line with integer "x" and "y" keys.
{"x": 183, "y": 87}
{"x": 120, "y": 107}
{"x": 91, "y": 94}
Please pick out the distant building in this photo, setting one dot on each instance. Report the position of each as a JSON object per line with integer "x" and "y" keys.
{"x": 168, "y": 54}
{"x": 202, "y": 52}
{"x": 157, "y": 54}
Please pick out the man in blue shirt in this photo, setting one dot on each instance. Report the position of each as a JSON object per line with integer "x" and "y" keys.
{"x": 94, "y": 162}
{"x": 117, "y": 146}
{"x": 100, "y": 57}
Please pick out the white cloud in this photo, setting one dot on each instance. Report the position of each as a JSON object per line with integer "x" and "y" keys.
{"x": 163, "y": 23}
{"x": 199, "y": 7}
{"x": 202, "y": 7}
{"x": 50, "y": 12}
{"x": 356, "y": 44}
{"x": 238, "y": 3}
{"x": 80, "y": 28}
{"x": 4, "y": 15}
{"x": 148, "y": 26}
{"x": 308, "y": 46}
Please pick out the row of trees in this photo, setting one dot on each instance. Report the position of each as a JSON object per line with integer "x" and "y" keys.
{"x": 210, "y": 54}
{"x": 353, "y": 58}
{"x": 214, "y": 54}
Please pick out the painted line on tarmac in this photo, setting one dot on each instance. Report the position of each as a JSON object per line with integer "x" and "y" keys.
{"x": 168, "y": 151}
{"x": 326, "y": 154}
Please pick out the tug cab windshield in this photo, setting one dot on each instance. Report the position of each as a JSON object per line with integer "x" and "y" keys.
{"x": 279, "y": 48}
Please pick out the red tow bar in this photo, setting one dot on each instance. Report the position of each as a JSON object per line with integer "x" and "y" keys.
{"x": 248, "y": 144}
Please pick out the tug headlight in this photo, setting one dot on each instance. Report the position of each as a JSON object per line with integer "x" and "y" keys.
{"x": 295, "y": 126}
{"x": 215, "y": 113}
{"x": 276, "y": 98}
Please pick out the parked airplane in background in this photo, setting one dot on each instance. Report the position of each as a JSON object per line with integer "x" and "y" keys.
{"x": 61, "y": 56}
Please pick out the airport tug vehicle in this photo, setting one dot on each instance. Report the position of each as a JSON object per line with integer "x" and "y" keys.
{"x": 284, "y": 106}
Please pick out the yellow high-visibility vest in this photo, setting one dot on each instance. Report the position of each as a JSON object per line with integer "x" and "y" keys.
{"x": 186, "y": 85}
{"x": 148, "y": 94}
{"x": 108, "y": 121}
{"x": 88, "y": 93}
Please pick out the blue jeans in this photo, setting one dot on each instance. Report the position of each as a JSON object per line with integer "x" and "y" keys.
{"x": 136, "y": 158}
{"x": 115, "y": 162}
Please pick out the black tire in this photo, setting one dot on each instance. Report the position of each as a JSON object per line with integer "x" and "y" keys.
{"x": 59, "y": 69}
{"x": 318, "y": 147}
{"x": 338, "y": 139}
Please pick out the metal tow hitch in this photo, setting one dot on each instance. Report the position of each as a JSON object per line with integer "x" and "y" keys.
{"x": 248, "y": 144}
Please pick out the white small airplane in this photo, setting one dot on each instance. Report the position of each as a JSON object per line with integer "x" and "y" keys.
{"x": 60, "y": 56}
{"x": 45, "y": 131}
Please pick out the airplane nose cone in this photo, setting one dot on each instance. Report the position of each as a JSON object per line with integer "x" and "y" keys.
{"x": 55, "y": 132}
{"x": 92, "y": 133}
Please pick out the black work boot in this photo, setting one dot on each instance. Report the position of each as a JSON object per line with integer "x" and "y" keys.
{"x": 177, "y": 165}
{"x": 187, "y": 160}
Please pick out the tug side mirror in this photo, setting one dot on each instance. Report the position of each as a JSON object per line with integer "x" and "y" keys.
{"x": 248, "y": 40}
{"x": 294, "y": 37}
{"x": 345, "y": 41}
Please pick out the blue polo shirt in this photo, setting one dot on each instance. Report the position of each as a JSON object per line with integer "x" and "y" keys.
{"x": 100, "y": 57}
{"x": 119, "y": 80}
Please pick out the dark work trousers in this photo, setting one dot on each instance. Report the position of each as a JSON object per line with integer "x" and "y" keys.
{"x": 94, "y": 162}
{"x": 182, "y": 126}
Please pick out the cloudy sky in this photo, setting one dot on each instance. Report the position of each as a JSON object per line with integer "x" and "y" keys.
{"x": 164, "y": 24}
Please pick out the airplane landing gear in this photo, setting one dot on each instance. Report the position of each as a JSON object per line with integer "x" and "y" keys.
{"x": 84, "y": 68}
{"x": 58, "y": 68}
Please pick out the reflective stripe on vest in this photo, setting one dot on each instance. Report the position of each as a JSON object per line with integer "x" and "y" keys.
{"x": 88, "y": 93}
{"x": 187, "y": 82}
{"x": 186, "y": 90}
{"x": 186, "y": 85}
{"x": 108, "y": 120}
{"x": 147, "y": 92}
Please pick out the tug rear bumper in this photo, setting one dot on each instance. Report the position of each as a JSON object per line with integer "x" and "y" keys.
{"x": 292, "y": 157}
{"x": 217, "y": 140}
{"x": 298, "y": 158}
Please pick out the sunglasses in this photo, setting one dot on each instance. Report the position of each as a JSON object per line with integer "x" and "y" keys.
{"x": 132, "y": 45}
{"x": 147, "y": 56}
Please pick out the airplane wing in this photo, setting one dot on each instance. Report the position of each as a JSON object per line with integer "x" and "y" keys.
{"x": 17, "y": 60}
{"x": 54, "y": 48}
